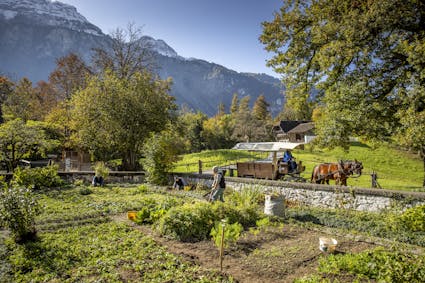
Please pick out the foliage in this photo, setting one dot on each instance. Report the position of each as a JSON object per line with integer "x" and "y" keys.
{"x": 188, "y": 223}
{"x": 191, "y": 128}
{"x": 260, "y": 109}
{"x": 160, "y": 153}
{"x": 101, "y": 170}
{"x": 193, "y": 222}
{"x": 380, "y": 265}
{"x": 153, "y": 209}
{"x": 108, "y": 252}
{"x": 37, "y": 178}
{"x": 388, "y": 225}
{"x": 249, "y": 126}
{"x": 217, "y": 132}
{"x": 247, "y": 197}
{"x": 70, "y": 75}
{"x": 18, "y": 208}
{"x": 85, "y": 191}
{"x": 232, "y": 233}
{"x": 113, "y": 117}
{"x": 19, "y": 140}
{"x": 366, "y": 60}
{"x": 414, "y": 218}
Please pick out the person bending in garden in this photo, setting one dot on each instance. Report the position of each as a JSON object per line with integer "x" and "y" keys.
{"x": 218, "y": 185}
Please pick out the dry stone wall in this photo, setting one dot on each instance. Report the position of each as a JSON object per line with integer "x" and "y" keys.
{"x": 361, "y": 199}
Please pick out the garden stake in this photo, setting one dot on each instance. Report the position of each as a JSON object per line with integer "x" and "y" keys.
{"x": 222, "y": 246}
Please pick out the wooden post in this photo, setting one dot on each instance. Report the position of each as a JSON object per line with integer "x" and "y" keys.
{"x": 223, "y": 225}
{"x": 199, "y": 167}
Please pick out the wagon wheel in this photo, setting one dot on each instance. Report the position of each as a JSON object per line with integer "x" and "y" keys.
{"x": 294, "y": 178}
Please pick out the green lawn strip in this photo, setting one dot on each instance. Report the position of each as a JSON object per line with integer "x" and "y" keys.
{"x": 108, "y": 252}
{"x": 396, "y": 169}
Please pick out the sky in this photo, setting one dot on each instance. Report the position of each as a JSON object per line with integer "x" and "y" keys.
{"x": 225, "y": 32}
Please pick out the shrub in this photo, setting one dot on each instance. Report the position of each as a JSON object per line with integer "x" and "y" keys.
{"x": 193, "y": 222}
{"x": 188, "y": 223}
{"x": 37, "y": 178}
{"x": 18, "y": 208}
{"x": 414, "y": 218}
{"x": 101, "y": 170}
{"x": 153, "y": 209}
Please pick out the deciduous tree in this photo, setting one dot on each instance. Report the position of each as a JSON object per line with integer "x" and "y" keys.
{"x": 115, "y": 115}
{"x": 366, "y": 58}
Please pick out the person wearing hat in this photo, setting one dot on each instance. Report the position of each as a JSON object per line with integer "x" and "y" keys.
{"x": 218, "y": 185}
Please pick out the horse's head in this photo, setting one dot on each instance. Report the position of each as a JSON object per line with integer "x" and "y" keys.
{"x": 356, "y": 167}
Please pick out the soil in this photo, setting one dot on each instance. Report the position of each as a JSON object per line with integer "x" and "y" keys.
{"x": 278, "y": 254}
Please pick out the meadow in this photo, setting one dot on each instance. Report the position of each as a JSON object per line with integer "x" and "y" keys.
{"x": 396, "y": 169}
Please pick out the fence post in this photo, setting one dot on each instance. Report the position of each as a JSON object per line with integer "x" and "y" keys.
{"x": 199, "y": 167}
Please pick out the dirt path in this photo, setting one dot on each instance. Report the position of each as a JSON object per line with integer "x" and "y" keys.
{"x": 276, "y": 255}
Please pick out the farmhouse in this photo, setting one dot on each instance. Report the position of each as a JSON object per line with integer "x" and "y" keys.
{"x": 294, "y": 131}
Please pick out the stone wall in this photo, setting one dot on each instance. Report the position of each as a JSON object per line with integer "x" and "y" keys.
{"x": 113, "y": 177}
{"x": 323, "y": 195}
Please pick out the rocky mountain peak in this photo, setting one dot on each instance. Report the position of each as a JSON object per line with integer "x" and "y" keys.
{"x": 46, "y": 13}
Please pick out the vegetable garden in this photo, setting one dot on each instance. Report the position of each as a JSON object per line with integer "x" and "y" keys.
{"x": 83, "y": 235}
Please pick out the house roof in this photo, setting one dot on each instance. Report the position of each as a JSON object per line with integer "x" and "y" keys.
{"x": 288, "y": 125}
{"x": 266, "y": 146}
{"x": 302, "y": 128}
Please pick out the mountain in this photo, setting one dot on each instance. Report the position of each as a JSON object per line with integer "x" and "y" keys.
{"x": 34, "y": 33}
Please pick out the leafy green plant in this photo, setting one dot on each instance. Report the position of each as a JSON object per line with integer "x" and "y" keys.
{"x": 37, "y": 178}
{"x": 18, "y": 208}
{"x": 414, "y": 218}
{"x": 85, "y": 191}
{"x": 101, "y": 170}
{"x": 232, "y": 233}
{"x": 380, "y": 265}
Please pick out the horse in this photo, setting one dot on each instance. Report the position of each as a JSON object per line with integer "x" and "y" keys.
{"x": 339, "y": 172}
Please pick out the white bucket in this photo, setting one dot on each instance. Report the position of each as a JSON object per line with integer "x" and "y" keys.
{"x": 274, "y": 205}
{"x": 327, "y": 244}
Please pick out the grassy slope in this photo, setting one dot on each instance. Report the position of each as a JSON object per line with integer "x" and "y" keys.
{"x": 397, "y": 170}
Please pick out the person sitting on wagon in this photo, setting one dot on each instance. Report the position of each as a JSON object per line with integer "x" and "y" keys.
{"x": 288, "y": 158}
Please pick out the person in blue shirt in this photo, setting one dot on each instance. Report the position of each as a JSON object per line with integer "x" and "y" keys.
{"x": 287, "y": 157}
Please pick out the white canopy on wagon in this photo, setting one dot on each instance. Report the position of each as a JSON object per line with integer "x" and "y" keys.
{"x": 267, "y": 146}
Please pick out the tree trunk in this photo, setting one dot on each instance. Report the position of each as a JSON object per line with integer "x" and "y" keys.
{"x": 129, "y": 162}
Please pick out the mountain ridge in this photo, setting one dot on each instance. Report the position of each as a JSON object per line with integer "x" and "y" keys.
{"x": 35, "y": 33}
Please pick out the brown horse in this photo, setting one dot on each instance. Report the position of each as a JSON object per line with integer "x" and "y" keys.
{"x": 336, "y": 171}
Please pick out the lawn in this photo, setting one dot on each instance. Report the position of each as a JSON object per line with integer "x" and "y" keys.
{"x": 396, "y": 169}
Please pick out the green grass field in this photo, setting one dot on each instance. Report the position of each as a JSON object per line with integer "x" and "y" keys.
{"x": 396, "y": 169}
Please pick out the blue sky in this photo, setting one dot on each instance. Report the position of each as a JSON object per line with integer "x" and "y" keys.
{"x": 221, "y": 31}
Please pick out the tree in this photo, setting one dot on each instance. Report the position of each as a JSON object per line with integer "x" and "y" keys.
{"x": 217, "y": 132}
{"x": 260, "y": 109}
{"x": 112, "y": 117}
{"x": 190, "y": 127}
{"x": 70, "y": 75}
{"x": 235, "y": 104}
{"x": 161, "y": 152}
{"x": 21, "y": 103}
{"x": 247, "y": 127}
{"x": 366, "y": 58}
{"x": 128, "y": 55}
{"x": 6, "y": 89}
{"x": 19, "y": 139}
